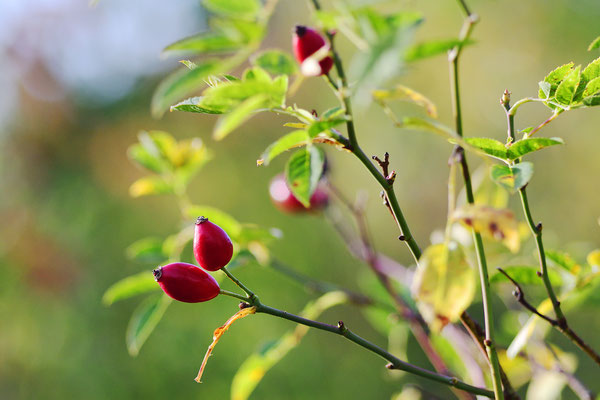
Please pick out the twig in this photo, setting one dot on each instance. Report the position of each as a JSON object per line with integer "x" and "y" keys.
{"x": 560, "y": 322}
{"x": 416, "y": 323}
{"x": 453, "y": 58}
{"x": 394, "y": 362}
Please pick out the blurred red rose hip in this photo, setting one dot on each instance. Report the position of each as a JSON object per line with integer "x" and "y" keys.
{"x": 306, "y": 42}
{"x": 186, "y": 282}
{"x": 284, "y": 199}
{"x": 212, "y": 247}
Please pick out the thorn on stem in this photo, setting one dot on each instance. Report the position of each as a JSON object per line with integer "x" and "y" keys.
{"x": 243, "y": 305}
{"x": 402, "y": 238}
{"x": 384, "y": 165}
{"x": 538, "y": 227}
{"x": 539, "y": 274}
{"x": 487, "y": 342}
{"x": 390, "y": 366}
{"x": 342, "y": 327}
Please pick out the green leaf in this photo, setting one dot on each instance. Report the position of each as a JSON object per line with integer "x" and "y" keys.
{"x": 595, "y": 44}
{"x": 303, "y": 171}
{"x": 323, "y": 126}
{"x": 563, "y": 259}
{"x": 553, "y": 79}
{"x": 227, "y": 123}
{"x": 253, "y": 369}
{"x": 234, "y": 8}
{"x": 443, "y": 284}
{"x": 227, "y": 95}
{"x": 525, "y": 275}
{"x": 147, "y": 250}
{"x": 229, "y": 224}
{"x": 565, "y": 91}
{"x": 143, "y": 321}
{"x": 275, "y": 62}
{"x": 194, "y": 104}
{"x": 283, "y": 144}
{"x": 255, "y": 233}
{"x": 526, "y": 146}
{"x": 207, "y": 42}
{"x": 592, "y": 101}
{"x": 433, "y": 48}
{"x": 180, "y": 84}
{"x": 150, "y": 185}
{"x": 591, "y": 71}
{"x": 140, "y": 155}
{"x": 489, "y": 146}
{"x": 512, "y": 178}
{"x": 333, "y": 112}
{"x": 592, "y": 88}
{"x": 131, "y": 286}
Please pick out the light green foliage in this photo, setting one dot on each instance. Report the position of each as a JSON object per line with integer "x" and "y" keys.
{"x": 129, "y": 287}
{"x": 291, "y": 140}
{"x": 227, "y": 123}
{"x": 303, "y": 171}
{"x": 569, "y": 87}
{"x": 233, "y": 8}
{"x": 433, "y": 48}
{"x": 525, "y": 275}
{"x": 513, "y": 151}
{"x": 443, "y": 285}
{"x": 174, "y": 162}
{"x": 143, "y": 321}
{"x": 147, "y": 250}
{"x": 512, "y": 178}
{"x": 275, "y": 62}
{"x": 182, "y": 83}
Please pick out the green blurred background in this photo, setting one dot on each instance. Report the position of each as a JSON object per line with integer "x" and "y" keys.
{"x": 76, "y": 87}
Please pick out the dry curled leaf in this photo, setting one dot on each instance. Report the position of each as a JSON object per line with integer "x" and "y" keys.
{"x": 219, "y": 332}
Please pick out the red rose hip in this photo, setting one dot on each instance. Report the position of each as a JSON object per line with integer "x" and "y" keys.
{"x": 284, "y": 199}
{"x": 306, "y": 42}
{"x": 186, "y": 282}
{"x": 212, "y": 247}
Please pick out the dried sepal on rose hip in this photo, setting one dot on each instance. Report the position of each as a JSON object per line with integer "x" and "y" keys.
{"x": 283, "y": 198}
{"x": 306, "y": 42}
{"x": 212, "y": 247}
{"x": 186, "y": 282}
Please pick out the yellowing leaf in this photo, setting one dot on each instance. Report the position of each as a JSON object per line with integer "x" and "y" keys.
{"x": 594, "y": 258}
{"x": 244, "y": 312}
{"x": 404, "y": 93}
{"x": 149, "y": 185}
{"x": 443, "y": 285}
{"x": 496, "y": 223}
{"x": 252, "y": 370}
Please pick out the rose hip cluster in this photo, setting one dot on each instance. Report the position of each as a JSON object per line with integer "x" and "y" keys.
{"x": 188, "y": 283}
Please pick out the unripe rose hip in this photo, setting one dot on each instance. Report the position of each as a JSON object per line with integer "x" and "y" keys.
{"x": 284, "y": 199}
{"x": 212, "y": 247}
{"x": 306, "y": 42}
{"x": 186, "y": 282}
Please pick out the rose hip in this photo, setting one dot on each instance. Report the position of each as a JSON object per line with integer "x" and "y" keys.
{"x": 306, "y": 42}
{"x": 186, "y": 282}
{"x": 212, "y": 247}
{"x": 284, "y": 199}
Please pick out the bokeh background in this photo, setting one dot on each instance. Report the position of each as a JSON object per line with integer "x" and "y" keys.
{"x": 76, "y": 83}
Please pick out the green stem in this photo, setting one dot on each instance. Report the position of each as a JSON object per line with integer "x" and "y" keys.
{"x": 232, "y": 294}
{"x": 453, "y": 58}
{"x": 249, "y": 292}
{"x": 395, "y": 363}
{"x": 536, "y": 231}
